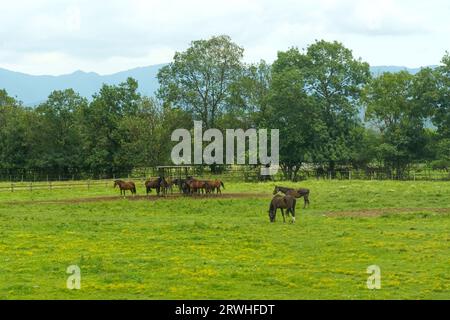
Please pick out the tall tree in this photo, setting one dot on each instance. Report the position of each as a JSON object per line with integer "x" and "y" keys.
{"x": 395, "y": 107}
{"x": 291, "y": 110}
{"x": 6, "y": 100}
{"x": 442, "y": 98}
{"x": 199, "y": 79}
{"x": 57, "y": 132}
{"x": 335, "y": 79}
{"x": 14, "y": 132}
{"x": 248, "y": 97}
{"x": 102, "y": 138}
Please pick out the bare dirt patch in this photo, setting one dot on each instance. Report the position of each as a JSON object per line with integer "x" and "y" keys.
{"x": 144, "y": 198}
{"x": 383, "y": 211}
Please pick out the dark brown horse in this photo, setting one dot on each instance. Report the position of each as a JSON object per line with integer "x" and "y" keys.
{"x": 124, "y": 186}
{"x": 159, "y": 184}
{"x": 182, "y": 185}
{"x": 282, "y": 202}
{"x": 296, "y": 193}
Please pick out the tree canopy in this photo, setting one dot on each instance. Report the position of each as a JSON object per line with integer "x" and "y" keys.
{"x": 331, "y": 112}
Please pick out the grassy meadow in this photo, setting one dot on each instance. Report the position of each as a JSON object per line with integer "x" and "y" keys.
{"x": 225, "y": 248}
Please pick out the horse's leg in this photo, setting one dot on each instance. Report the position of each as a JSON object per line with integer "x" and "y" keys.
{"x": 293, "y": 210}
{"x": 282, "y": 212}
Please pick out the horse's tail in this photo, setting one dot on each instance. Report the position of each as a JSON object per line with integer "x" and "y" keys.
{"x": 221, "y": 183}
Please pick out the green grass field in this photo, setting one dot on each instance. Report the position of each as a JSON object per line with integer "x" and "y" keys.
{"x": 225, "y": 248}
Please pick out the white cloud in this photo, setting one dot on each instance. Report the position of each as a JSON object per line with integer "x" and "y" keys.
{"x": 49, "y": 36}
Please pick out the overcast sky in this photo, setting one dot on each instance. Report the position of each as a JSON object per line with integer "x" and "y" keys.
{"x": 61, "y": 36}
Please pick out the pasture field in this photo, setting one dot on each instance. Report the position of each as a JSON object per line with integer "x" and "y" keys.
{"x": 225, "y": 247}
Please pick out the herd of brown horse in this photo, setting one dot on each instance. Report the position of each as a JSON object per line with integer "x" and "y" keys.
{"x": 191, "y": 186}
{"x": 163, "y": 186}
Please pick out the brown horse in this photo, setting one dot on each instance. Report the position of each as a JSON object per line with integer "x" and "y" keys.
{"x": 282, "y": 202}
{"x": 197, "y": 186}
{"x": 124, "y": 186}
{"x": 169, "y": 187}
{"x": 183, "y": 185}
{"x": 159, "y": 184}
{"x": 296, "y": 193}
{"x": 215, "y": 185}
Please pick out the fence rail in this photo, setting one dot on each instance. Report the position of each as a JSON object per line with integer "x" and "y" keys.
{"x": 15, "y": 184}
{"x": 51, "y": 185}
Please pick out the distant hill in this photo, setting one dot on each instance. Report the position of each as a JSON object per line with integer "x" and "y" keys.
{"x": 32, "y": 90}
{"x": 380, "y": 69}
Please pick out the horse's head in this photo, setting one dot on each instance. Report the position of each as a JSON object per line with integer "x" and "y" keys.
{"x": 272, "y": 215}
{"x": 164, "y": 183}
{"x": 276, "y": 190}
{"x": 116, "y": 183}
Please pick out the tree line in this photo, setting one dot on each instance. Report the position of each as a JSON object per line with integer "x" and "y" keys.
{"x": 330, "y": 110}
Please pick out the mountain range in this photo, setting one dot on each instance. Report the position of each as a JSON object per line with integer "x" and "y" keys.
{"x": 34, "y": 89}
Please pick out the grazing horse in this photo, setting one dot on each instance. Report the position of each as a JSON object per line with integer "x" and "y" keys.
{"x": 158, "y": 184}
{"x": 282, "y": 202}
{"x": 124, "y": 186}
{"x": 182, "y": 185}
{"x": 170, "y": 184}
{"x": 197, "y": 186}
{"x": 296, "y": 193}
{"x": 215, "y": 185}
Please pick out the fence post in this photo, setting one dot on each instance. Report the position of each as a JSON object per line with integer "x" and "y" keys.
{"x": 88, "y": 184}
{"x": 12, "y": 187}
{"x": 31, "y": 186}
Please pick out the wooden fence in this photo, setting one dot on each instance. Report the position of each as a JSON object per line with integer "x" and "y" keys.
{"x": 232, "y": 174}
{"x": 53, "y": 185}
